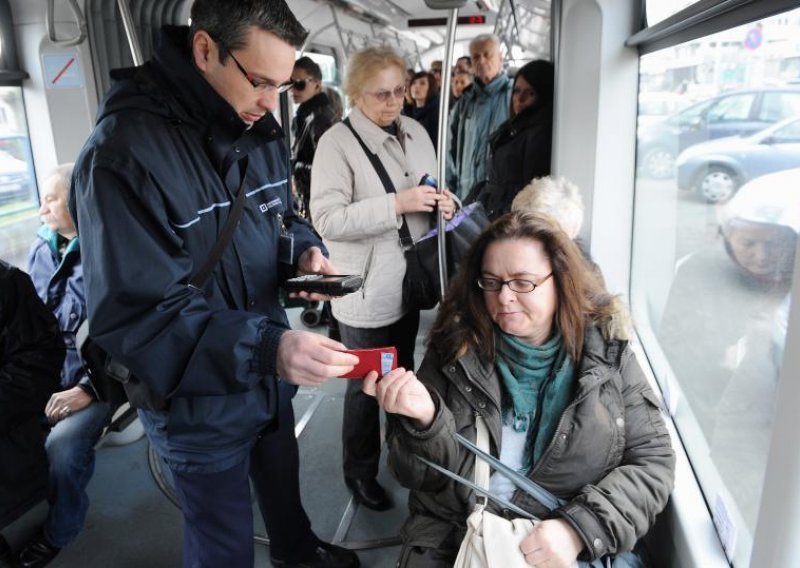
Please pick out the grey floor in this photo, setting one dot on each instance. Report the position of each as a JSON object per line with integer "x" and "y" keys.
{"x": 132, "y": 522}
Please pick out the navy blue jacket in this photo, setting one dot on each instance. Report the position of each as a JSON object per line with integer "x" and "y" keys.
{"x": 59, "y": 283}
{"x": 150, "y": 201}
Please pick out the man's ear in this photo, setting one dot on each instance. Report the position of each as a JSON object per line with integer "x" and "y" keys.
{"x": 203, "y": 49}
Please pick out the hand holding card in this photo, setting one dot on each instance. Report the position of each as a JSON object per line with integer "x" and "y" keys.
{"x": 378, "y": 359}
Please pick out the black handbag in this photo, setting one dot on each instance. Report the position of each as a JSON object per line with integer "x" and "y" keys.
{"x": 421, "y": 283}
{"x": 113, "y": 382}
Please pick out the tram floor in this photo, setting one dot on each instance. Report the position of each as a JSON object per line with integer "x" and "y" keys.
{"x": 133, "y": 523}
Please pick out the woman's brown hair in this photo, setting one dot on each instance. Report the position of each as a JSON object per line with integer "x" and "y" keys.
{"x": 463, "y": 322}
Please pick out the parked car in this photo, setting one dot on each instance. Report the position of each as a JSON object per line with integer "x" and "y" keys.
{"x": 738, "y": 113}
{"x": 656, "y": 106}
{"x": 718, "y": 168}
{"x": 15, "y": 178}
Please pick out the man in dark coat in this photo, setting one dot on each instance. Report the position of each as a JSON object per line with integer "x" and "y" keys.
{"x": 31, "y": 354}
{"x": 177, "y": 140}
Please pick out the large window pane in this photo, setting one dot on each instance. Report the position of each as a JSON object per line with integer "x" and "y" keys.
{"x": 716, "y": 228}
{"x": 18, "y": 193}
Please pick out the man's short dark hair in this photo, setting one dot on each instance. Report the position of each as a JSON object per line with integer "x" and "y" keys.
{"x": 309, "y": 66}
{"x": 227, "y": 22}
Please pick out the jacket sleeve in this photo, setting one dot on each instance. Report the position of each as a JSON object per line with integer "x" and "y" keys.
{"x": 436, "y": 444}
{"x": 336, "y": 216}
{"x": 140, "y": 309}
{"x": 614, "y": 513}
{"x": 32, "y": 350}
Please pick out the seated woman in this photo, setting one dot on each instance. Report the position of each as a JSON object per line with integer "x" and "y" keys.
{"x": 529, "y": 339}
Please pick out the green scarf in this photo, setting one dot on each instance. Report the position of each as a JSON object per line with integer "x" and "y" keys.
{"x": 538, "y": 382}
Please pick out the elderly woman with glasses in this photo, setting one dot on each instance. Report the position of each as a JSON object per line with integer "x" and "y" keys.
{"x": 358, "y": 217}
{"x": 529, "y": 340}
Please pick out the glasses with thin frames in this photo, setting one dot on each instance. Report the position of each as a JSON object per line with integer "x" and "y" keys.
{"x": 383, "y": 96}
{"x": 260, "y": 84}
{"x": 518, "y": 285}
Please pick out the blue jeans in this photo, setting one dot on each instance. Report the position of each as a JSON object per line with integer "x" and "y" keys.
{"x": 70, "y": 450}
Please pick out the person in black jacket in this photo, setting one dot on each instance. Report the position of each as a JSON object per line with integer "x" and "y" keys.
{"x": 425, "y": 94}
{"x": 31, "y": 355}
{"x": 177, "y": 141}
{"x": 520, "y": 148}
{"x": 314, "y": 116}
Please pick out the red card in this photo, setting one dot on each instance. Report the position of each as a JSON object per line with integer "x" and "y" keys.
{"x": 380, "y": 359}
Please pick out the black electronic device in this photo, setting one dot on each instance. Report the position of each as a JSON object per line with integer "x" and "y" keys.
{"x": 328, "y": 284}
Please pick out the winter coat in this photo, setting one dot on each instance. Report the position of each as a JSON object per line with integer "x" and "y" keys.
{"x": 519, "y": 151}
{"x": 357, "y": 218}
{"x": 313, "y": 118}
{"x": 152, "y": 189}
{"x": 479, "y": 112}
{"x": 59, "y": 284}
{"x": 428, "y": 117}
{"x": 31, "y": 355}
{"x": 610, "y": 456}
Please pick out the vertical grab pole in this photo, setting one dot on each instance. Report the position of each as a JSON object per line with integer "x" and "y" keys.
{"x": 441, "y": 144}
{"x": 130, "y": 32}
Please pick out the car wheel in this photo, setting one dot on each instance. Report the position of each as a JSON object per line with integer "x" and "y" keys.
{"x": 718, "y": 184}
{"x": 658, "y": 163}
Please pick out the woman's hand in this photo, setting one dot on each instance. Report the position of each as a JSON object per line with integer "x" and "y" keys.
{"x": 552, "y": 544}
{"x": 400, "y": 392}
{"x": 419, "y": 199}
{"x": 446, "y": 205}
{"x": 66, "y": 403}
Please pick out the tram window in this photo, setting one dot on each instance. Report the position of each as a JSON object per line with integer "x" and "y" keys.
{"x": 714, "y": 249}
{"x": 658, "y": 10}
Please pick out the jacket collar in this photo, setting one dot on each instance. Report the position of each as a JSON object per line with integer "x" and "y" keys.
{"x": 373, "y": 135}
{"x": 51, "y": 238}
{"x": 498, "y": 84}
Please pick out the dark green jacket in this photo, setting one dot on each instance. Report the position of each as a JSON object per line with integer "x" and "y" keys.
{"x": 611, "y": 458}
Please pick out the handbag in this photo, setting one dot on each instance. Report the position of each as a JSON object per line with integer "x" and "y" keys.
{"x": 421, "y": 282}
{"x": 492, "y": 541}
{"x": 113, "y": 382}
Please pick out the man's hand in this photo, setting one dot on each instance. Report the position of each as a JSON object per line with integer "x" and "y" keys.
{"x": 306, "y": 358}
{"x": 66, "y": 403}
{"x": 312, "y": 261}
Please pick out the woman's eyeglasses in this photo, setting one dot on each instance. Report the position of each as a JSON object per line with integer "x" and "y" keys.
{"x": 518, "y": 285}
{"x": 300, "y": 84}
{"x": 383, "y": 96}
{"x": 259, "y": 84}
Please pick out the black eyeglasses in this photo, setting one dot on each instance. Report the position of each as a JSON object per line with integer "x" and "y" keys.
{"x": 518, "y": 285}
{"x": 300, "y": 84}
{"x": 383, "y": 96}
{"x": 259, "y": 84}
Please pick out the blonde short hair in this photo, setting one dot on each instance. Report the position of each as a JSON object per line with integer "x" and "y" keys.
{"x": 365, "y": 64}
{"x": 558, "y": 198}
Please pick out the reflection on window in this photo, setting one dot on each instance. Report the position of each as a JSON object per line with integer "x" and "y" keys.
{"x": 716, "y": 228}
{"x": 18, "y": 193}
{"x": 658, "y": 10}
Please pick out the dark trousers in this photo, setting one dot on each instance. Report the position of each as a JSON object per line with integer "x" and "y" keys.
{"x": 361, "y": 430}
{"x": 217, "y": 509}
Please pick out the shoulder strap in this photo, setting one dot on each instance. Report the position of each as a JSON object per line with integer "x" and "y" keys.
{"x": 200, "y": 277}
{"x": 482, "y": 472}
{"x": 405, "y": 235}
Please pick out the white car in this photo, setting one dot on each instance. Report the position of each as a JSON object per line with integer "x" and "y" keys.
{"x": 15, "y": 178}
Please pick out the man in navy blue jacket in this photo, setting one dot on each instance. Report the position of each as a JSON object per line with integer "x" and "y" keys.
{"x": 153, "y": 187}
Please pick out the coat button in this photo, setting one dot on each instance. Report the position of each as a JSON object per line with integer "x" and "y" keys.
{"x": 468, "y": 389}
{"x": 481, "y": 404}
{"x": 598, "y": 544}
{"x": 252, "y": 303}
{"x": 620, "y": 422}
{"x": 451, "y": 369}
{"x": 237, "y": 149}
{"x": 73, "y": 316}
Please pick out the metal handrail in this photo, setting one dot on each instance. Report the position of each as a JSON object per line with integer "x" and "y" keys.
{"x": 79, "y": 19}
{"x": 130, "y": 32}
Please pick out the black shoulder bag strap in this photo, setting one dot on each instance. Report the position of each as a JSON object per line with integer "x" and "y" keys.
{"x": 405, "y": 235}
{"x": 200, "y": 277}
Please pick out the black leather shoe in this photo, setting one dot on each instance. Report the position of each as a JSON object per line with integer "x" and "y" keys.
{"x": 369, "y": 493}
{"x": 324, "y": 556}
{"x": 39, "y": 552}
{"x": 7, "y": 559}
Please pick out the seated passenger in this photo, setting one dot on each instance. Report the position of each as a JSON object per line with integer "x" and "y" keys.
{"x": 76, "y": 417}
{"x": 31, "y": 355}
{"x": 530, "y": 340}
{"x": 520, "y": 148}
